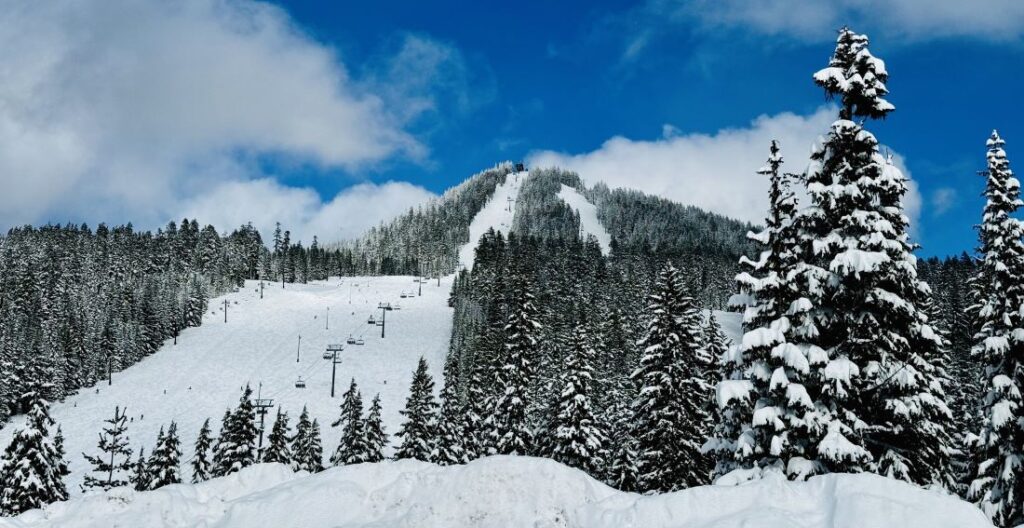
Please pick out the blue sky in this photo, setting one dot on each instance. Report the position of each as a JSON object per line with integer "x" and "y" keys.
{"x": 327, "y": 114}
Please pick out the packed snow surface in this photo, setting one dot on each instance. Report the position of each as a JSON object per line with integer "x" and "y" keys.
{"x": 204, "y": 373}
{"x": 588, "y": 216}
{"x": 497, "y": 213}
{"x": 502, "y": 492}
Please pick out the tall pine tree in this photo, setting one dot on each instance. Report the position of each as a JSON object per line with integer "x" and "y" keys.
{"x": 307, "y": 449}
{"x": 418, "y": 430}
{"x": 31, "y": 474}
{"x": 879, "y": 393}
{"x": 511, "y": 433}
{"x": 577, "y": 439}
{"x": 278, "y": 451}
{"x": 201, "y": 459}
{"x": 114, "y": 462}
{"x": 236, "y": 446}
{"x": 165, "y": 460}
{"x": 376, "y": 436}
{"x": 139, "y": 478}
{"x": 998, "y": 482}
{"x": 767, "y": 419}
{"x": 448, "y": 449}
{"x": 669, "y": 417}
{"x": 352, "y": 447}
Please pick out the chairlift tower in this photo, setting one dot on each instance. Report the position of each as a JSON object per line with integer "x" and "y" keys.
{"x": 384, "y": 309}
{"x": 262, "y": 406}
{"x": 335, "y": 361}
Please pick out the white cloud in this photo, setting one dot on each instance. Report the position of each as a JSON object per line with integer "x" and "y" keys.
{"x": 264, "y": 201}
{"x": 714, "y": 172}
{"x": 943, "y": 199}
{"x": 911, "y": 20}
{"x": 116, "y": 110}
{"x": 421, "y": 77}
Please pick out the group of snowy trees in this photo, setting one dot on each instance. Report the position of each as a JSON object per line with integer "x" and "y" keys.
{"x": 706, "y": 243}
{"x": 33, "y": 466}
{"x": 602, "y": 363}
{"x": 839, "y": 368}
{"x": 77, "y": 305}
{"x": 849, "y": 362}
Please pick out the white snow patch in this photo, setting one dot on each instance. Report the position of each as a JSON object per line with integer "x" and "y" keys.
{"x": 588, "y": 216}
{"x": 505, "y": 492}
{"x": 730, "y": 322}
{"x": 497, "y": 213}
{"x": 728, "y": 390}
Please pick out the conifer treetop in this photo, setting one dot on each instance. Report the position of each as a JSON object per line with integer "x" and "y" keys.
{"x": 856, "y": 77}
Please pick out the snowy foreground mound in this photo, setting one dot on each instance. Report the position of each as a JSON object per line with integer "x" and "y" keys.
{"x": 500, "y": 492}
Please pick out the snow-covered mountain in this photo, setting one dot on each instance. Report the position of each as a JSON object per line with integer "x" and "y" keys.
{"x": 539, "y": 202}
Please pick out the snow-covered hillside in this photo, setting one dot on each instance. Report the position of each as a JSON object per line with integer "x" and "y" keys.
{"x": 588, "y": 216}
{"x": 497, "y": 214}
{"x": 502, "y": 492}
{"x": 204, "y": 373}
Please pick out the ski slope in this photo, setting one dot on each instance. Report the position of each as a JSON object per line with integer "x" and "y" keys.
{"x": 204, "y": 373}
{"x": 502, "y": 492}
{"x": 588, "y": 216}
{"x": 497, "y": 213}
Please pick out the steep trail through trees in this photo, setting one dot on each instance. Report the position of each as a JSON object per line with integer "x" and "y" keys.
{"x": 497, "y": 213}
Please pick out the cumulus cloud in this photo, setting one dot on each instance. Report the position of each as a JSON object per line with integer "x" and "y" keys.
{"x": 910, "y": 20}
{"x": 716, "y": 172}
{"x": 264, "y": 201}
{"x": 119, "y": 110}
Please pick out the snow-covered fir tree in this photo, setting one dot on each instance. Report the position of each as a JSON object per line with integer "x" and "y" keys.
{"x": 201, "y": 469}
{"x": 511, "y": 433}
{"x": 669, "y": 418}
{"x": 217, "y": 459}
{"x": 418, "y": 429}
{"x": 766, "y": 417}
{"x": 860, "y": 326}
{"x": 476, "y": 409}
{"x": 624, "y": 470}
{"x": 998, "y": 481}
{"x": 448, "y": 448}
{"x": 60, "y": 454}
{"x": 277, "y": 450}
{"x": 32, "y": 469}
{"x": 236, "y": 445}
{"x": 307, "y": 449}
{"x": 352, "y": 448}
{"x": 139, "y": 479}
{"x": 165, "y": 460}
{"x": 577, "y": 438}
{"x": 376, "y": 436}
{"x": 114, "y": 463}
{"x": 715, "y": 345}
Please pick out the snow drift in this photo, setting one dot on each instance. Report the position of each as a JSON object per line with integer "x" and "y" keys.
{"x": 501, "y": 492}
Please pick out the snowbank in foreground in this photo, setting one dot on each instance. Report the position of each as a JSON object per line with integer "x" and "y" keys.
{"x": 501, "y": 492}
